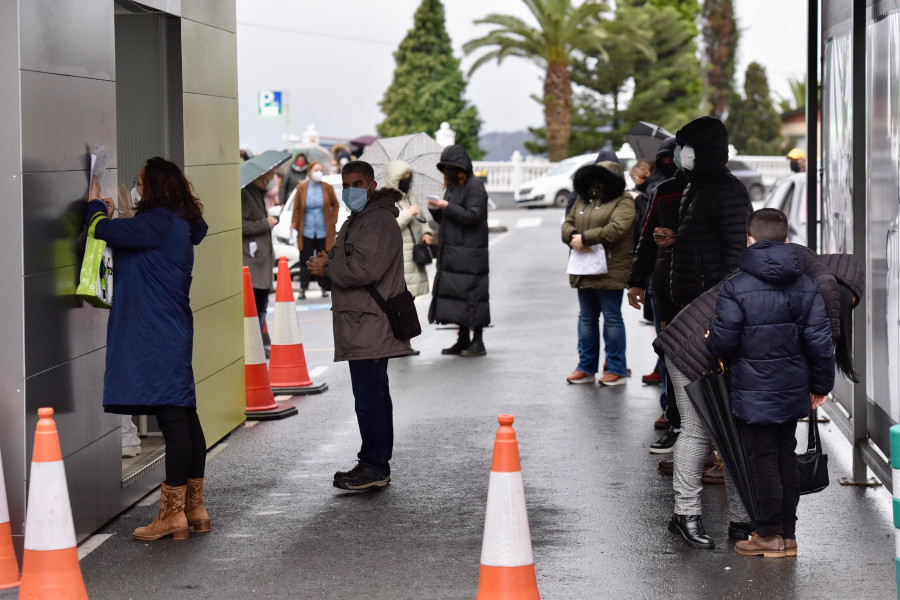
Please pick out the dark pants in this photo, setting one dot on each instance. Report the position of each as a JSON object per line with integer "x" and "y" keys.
{"x": 663, "y": 313}
{"x": 185, "y": 444}
{"x": 374, "y": 413}
{"x": 262, "y": 305}
{"x": 310, "y": 246}
{"x": 776, "y": 476}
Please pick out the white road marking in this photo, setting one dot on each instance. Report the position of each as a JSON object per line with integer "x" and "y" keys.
{"x": 317, "y": 371}
{"x": 526, "y": 222}
{"x": 493, "y": 223}
{"x": 212, "y": 453}
{"x": 282, "y": 398}
{"x": 91, "y": 544}
{"x": 499, "y": 238}
{"x": 268, "y": 513}
{"x": 249, "y": 424}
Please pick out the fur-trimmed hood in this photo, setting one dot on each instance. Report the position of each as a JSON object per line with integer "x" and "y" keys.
{"x": 606, "y": 176}
{"x": 394, "y": 172}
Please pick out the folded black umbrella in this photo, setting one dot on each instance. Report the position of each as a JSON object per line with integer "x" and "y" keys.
{"x": 709, "y": 395}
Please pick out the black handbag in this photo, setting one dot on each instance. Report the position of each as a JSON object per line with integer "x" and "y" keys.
{"x": 813, "y": 463}
{"x": 401, "y": 313}
{"x": 421, "y": 251}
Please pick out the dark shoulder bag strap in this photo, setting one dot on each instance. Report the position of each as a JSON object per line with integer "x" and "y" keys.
{"x": 813, "y": 441}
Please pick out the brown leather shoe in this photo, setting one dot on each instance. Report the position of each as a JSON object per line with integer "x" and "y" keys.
{"x": 579, "y": 376}
{"x": 609, "y": 379}
{"x": 666, "y": 466}
{"x": 171, "y": 517}
{"x": 662, "y": 423}
{"x": 714, "y": 474}
{"x": 769, "y": 547}
{"x": 195, "y": 512}
{"x": 790, "y": 546}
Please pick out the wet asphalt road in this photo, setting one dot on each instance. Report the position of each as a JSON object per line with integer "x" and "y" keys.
{"x": 597, "y": 506}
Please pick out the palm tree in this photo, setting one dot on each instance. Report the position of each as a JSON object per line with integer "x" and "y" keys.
{"x": 563, "y": 31}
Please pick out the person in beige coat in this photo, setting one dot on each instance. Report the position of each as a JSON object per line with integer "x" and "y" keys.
{"x": 367, "y": 252}
{"x": 413, "y": 227}
{"x": 603, "y": 215}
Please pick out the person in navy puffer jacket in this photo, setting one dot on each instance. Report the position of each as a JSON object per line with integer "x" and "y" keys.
{"x": 773, "y": 331}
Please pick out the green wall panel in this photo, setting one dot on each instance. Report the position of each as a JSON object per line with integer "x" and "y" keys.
{"x": 218, "y": 187}
{"x": 209, "y": 59}
{"x": 220, "y": 402}
{"x": 210, "y": 130}
{"x": 218, "y": 337}
{"x": 217, "y": 269}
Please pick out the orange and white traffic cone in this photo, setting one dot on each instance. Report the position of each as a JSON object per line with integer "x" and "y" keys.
{"x": 507, "y": 563}
{"x": 50, "y": 569}
{"x": 260, "y": 402}
{"x": 9, "y": 566}
{"x": 287, "y": 363}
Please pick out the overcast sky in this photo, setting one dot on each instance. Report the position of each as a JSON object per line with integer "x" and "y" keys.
{"x": 335, "y": 59}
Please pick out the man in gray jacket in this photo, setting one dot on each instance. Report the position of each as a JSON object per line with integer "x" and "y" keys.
{"x": 368, "y": 251}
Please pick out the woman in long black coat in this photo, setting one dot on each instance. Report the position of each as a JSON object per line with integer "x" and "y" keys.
{"x": 460, "y": 294}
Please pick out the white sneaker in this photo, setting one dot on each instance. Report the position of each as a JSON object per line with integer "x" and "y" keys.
{"x": 130, "y": 451}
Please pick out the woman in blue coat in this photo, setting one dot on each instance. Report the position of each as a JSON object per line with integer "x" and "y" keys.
{"x": 151, "y": 331}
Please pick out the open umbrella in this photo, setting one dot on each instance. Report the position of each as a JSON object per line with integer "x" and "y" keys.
{"x": 364, "y": 140}
{"x": 645, "y": 139}
{"x": 709, "y": 395}
{"x": 261, "y": 164}
{"x": 420, "y": 151}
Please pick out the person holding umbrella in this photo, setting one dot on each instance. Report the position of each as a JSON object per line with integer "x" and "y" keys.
{"x": 294, "y": 175}
{"x": 460, "y": 295}
{"x": 257, "y": 178}
{"x": 773, "y": 331}
{"x": 399, "y": 175}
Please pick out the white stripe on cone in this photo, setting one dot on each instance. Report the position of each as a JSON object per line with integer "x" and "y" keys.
{"x": 507, "y": 538}
{"x": 287, "y": 328}
{"x": 48, "y": 520}
{"x": 254, "y": 354}
{"x": 4, "y": 508}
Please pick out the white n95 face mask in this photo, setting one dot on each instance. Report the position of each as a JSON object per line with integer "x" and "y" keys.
{"x": 135, "y": 197}
{"x": 687, "y": 158}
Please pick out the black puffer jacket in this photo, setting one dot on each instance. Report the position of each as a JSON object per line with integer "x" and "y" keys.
{"x": 772, "y": 329}
{"x": 649, "y": 259}
{"x": 683, "y": 343}
{"x": 712, "y": 231}
{"x": 460, "y": 293}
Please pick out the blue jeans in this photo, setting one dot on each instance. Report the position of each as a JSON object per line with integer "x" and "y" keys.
{"x": 374, "y": 413}
{"x": 593, "y": 304}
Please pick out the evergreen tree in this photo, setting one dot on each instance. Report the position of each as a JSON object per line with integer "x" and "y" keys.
{"x": 428, "y": 86}
{"x": 754, "y": 126}
{"x": 720, "y": 40}
{"x": 669, "y": 90}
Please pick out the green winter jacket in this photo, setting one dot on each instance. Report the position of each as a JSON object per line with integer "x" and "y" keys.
{"x": 608, "y": 223}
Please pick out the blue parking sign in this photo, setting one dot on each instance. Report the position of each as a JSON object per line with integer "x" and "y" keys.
{"x": 270, "y": 103}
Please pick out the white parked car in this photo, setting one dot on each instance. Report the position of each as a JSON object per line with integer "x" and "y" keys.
{"x": 789, "y": 196}
{"x": 284, "y": 239}
{"x": 554, "y": 187}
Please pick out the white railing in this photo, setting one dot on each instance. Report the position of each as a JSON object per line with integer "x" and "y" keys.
{"x": 507, "y": 176}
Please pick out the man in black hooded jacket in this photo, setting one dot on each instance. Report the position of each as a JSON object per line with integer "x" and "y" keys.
{"x": 711, "y": 236}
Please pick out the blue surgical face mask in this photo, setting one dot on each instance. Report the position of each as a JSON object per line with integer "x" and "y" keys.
{"x": 355, "y": 198}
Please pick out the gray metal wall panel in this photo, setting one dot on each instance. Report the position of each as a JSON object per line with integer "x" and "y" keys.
{"x": 69, "y": 37}
{"x": 62, "y": 117}
{"x": 218, "y": 187}
{"x": 173, "y": 7}
{"x": 53, "y": 218}
{"x": 12, "y": 359}
{"x": 835, "y": 12}
{"x": 212, "y": 12}
{"x": 139, "y": 92}
{"x": 210, "y": 130}
{"x": 59, "y": 326}
{"x": 217, "y": 269}
{"x": 94, "y": 479}
{"x": 74, "y": 390}
{"x": 210, "y": 60}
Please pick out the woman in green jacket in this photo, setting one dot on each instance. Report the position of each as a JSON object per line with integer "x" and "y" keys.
{"x": 603, "y": 214}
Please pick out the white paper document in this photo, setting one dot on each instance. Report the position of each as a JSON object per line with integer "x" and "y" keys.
{"x": 587, "y": 263}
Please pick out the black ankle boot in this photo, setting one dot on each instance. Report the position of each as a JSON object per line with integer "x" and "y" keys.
{"x": 476, "y": 348}
{"x": 462, "y": 342}
{"x": 690, "y": 528}
{"x": 740, "y": 531}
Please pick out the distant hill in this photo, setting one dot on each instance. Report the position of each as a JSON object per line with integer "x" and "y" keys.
{"x": 500, "y": 146}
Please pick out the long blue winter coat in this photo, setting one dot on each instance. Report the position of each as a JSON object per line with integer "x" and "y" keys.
{"x": 149, "y": 339}
{"x": 772, "y": 329}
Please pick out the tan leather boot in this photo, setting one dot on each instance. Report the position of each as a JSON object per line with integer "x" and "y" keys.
{"x": 196, "y": 513}
{"x": 790, "y": 547}
{"x": 770, "y": 547}
{"x": 171, "y": 517}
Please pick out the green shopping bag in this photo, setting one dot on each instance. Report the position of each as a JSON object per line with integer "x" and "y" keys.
{"x": 96, "y": 283}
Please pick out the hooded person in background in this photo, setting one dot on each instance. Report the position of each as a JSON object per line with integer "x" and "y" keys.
{"x": 650, "y": 273}
{"x": 414, "y": 228}
{"x": 711, "y": 237}
{"x": 603, "y": 217}
{"x": 460, "y": 295}
{"x": 292, "y": 176}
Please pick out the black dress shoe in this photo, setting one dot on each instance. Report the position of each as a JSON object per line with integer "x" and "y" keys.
{"x": 476, "y": 348}
{"x": 456, "y": 348}
{"x": 690, "y": 528}
{"x": 740, "y": 531}
{"x": 414, "y": 352}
